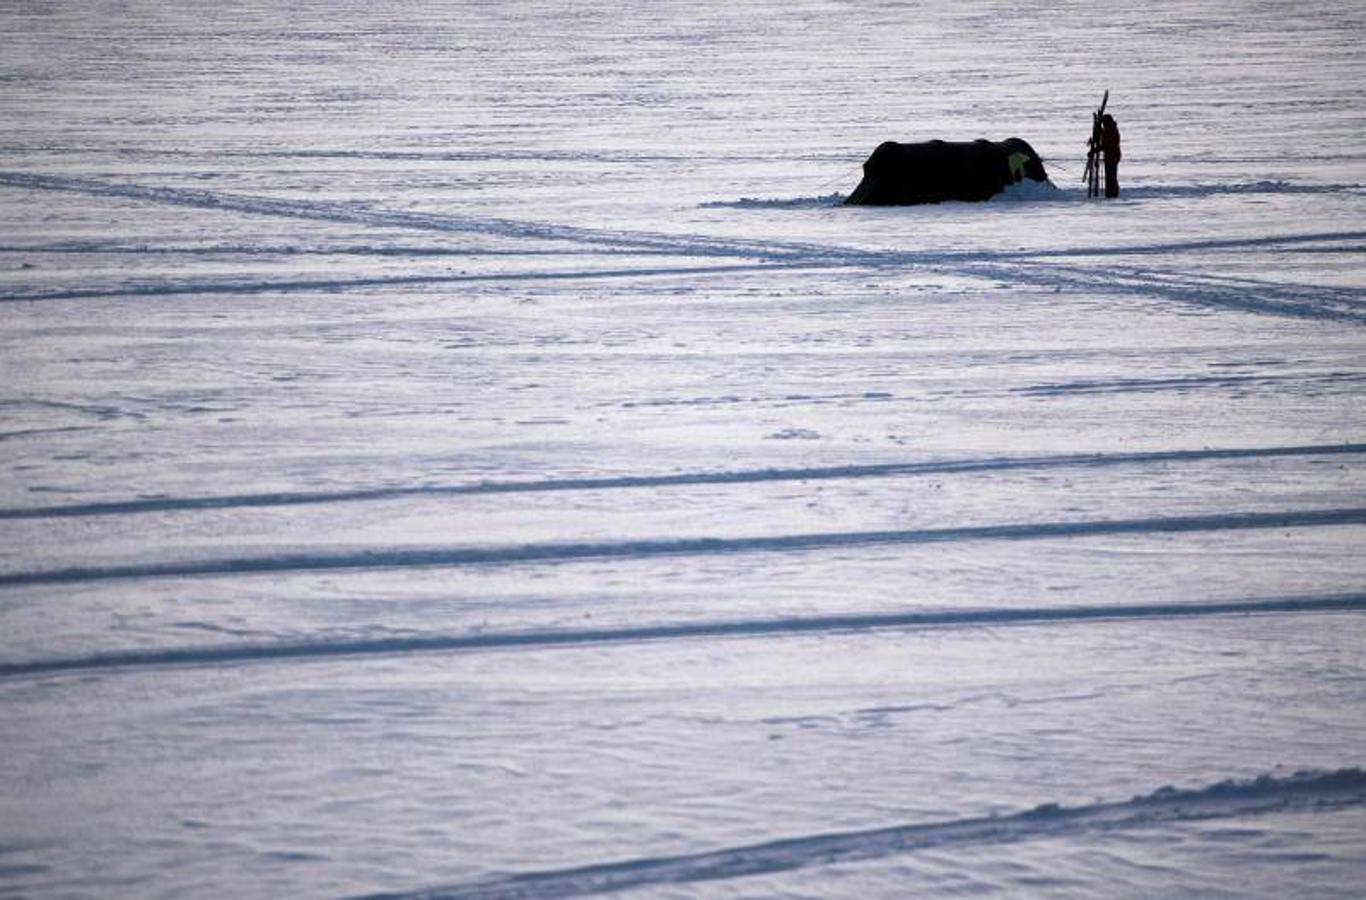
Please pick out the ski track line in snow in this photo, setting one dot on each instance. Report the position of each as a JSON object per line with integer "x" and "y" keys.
{"x": 1172, "y": 191}
{"x": 355, "y": 214}
{"x": 777, "y": 627}
{"x": 1289, "y": 242}
{"x": 327, "y": 285}
{"x": 1260, "y": 297}
{"x": 499, "y": 154}
{"x": 1325, "y": 242}
{"x": 1318, "y": 383}
{"x": 657, "y": 242}
{"x": 1302, "y": 792}
{"x": 300, "y": 250}
{"x": 685, "y": 479}
{"x": 455, "y": 557}
{"x": 1265, "y": 298}
{"x": 1294, "y": 300}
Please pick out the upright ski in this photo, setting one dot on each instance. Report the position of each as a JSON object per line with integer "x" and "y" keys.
{"x": 1092, "y": 174}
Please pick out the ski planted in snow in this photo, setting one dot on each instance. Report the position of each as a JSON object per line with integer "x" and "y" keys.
{"x": 1092, "y": 174}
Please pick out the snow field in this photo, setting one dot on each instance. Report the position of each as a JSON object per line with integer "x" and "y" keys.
{"x": 467, "y": 451}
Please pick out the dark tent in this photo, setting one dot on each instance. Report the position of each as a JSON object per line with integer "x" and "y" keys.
{"x": 935, "y": 171}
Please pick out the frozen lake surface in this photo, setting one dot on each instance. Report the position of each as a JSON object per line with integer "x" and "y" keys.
{"x": 466, "y": 450}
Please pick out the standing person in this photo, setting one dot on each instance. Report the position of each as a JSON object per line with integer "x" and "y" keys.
{"x": 1109, "y": 146}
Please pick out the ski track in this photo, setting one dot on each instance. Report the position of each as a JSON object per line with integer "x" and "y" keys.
{"x": 501, "y": 154}
{"x": 685, "y": 479}
{"x": 1288, "y": 300}
{"x": 778, "y": 627}
{"x": 358, "y": 214}
{"x": 1327, "y": 241}
{"x": 181, "y": 287}
{"x": 1293, "y": 242}
{"x": 1180, "y": 191}
{"x": 135, "y": 248}
{"x": 1318, "y": 383}
{"x": 1300, "y": 301}
{"x": 1302, "y": 792}
{"x": 456, "y": 557}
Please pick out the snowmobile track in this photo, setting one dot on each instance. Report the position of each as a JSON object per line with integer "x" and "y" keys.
{"x": 1307, "y": 791}
{"x": 520, "y": 554}
{"x": 115, "y": 661}
{"x": 682, "y": 479}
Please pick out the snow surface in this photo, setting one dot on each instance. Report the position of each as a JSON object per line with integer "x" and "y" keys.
{"x": 467, "y": 450}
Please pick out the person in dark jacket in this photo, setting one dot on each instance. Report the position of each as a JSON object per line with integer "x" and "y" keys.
{"x": 1109, "y": 147}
